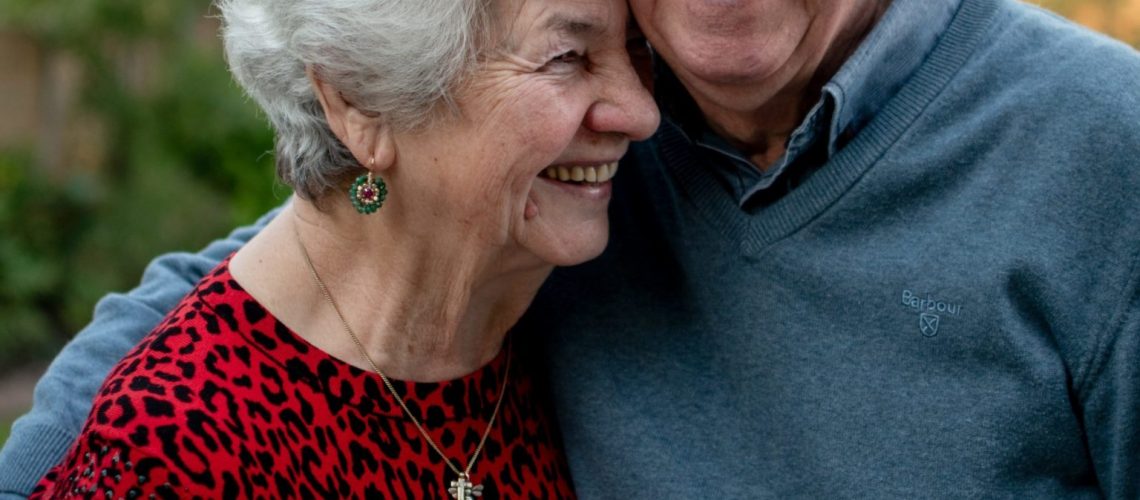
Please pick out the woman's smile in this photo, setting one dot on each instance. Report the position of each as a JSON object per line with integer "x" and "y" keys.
{"x": 584, "y": 184}
{"x": 582, "y": 174}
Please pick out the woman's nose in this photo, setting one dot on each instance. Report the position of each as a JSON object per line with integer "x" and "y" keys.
{"x": 624, "y": 106}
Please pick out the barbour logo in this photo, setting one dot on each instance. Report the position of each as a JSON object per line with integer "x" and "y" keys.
{"x": 930, "y": 311}
{"x": 928, "y": 323}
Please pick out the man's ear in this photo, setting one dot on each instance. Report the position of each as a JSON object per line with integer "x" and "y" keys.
{"x": 366, "y": 135}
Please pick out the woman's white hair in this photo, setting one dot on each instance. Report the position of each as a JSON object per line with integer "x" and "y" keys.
{"x": 397, "y": 58}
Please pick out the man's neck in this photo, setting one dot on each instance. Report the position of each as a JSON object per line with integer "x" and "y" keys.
{"x": 760, "y": 132}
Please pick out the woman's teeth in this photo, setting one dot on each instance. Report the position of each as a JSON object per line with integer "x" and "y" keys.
{"x": 597, "y": 174}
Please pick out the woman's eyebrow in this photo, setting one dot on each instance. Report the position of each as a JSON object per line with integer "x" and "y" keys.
{"x": 583, "y": 25}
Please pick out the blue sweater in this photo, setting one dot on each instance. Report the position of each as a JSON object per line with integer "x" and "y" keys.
{"x": 946, "y": 305}
{"x": 949, "y": 306}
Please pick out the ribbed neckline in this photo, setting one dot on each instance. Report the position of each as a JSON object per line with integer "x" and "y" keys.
{"x": 758, "y": 230}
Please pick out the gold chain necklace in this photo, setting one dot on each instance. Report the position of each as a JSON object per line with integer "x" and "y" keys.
{"x": 462, "y": 488}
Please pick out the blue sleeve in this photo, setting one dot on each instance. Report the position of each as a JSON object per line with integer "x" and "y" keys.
{"x": 40, "y": 438}
{"x": 1110, "y": 398}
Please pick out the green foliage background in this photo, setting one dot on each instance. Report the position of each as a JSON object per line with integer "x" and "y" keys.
{"x": 187, "y": 158}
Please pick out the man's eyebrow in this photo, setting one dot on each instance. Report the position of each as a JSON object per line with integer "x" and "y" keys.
{"x": 573, "y": 25}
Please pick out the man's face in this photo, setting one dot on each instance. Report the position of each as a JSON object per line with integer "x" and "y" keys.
{"x": 738, "y": 57}
{"x": 729, "y": 42}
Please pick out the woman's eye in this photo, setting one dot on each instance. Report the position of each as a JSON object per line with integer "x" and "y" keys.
{"x": 570, "y": 57}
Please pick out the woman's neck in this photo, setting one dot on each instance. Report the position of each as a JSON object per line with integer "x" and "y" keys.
{"x": 429, "y": 307}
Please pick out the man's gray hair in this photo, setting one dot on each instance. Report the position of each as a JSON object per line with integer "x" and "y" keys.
{"x": 397, "y": 58}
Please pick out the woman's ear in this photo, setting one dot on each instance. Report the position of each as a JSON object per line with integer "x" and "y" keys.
{"x": 366, "y": 135}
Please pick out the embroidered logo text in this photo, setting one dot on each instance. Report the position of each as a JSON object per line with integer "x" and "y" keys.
{"x": 930, "y": 311}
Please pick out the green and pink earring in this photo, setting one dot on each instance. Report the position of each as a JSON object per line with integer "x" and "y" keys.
{"x": 368, "y": 192}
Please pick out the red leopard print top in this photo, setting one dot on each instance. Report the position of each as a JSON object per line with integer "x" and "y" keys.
{"x": 223, "y": 401}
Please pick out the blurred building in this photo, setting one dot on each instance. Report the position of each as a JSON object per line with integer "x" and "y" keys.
{"x": 43, "y": 106}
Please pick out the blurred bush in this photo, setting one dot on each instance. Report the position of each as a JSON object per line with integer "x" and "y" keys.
{"x": 184, "y": 157}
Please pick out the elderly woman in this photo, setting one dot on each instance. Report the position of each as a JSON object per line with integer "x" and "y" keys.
{"x": 446, "y": 155}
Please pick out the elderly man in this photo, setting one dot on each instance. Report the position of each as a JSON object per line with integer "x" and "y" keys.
{"x": 881, "y": 249}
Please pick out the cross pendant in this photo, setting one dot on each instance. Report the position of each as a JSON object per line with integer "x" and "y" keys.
{"x": 463, "y": 489}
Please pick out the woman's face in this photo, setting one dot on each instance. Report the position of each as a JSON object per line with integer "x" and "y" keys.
{"x": 558, "y": 95}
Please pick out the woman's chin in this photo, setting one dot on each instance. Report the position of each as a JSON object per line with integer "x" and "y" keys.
{"x": 579, "y": 253}
{"x": 567, "y": 225}
{"x": 574, "y": 245}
